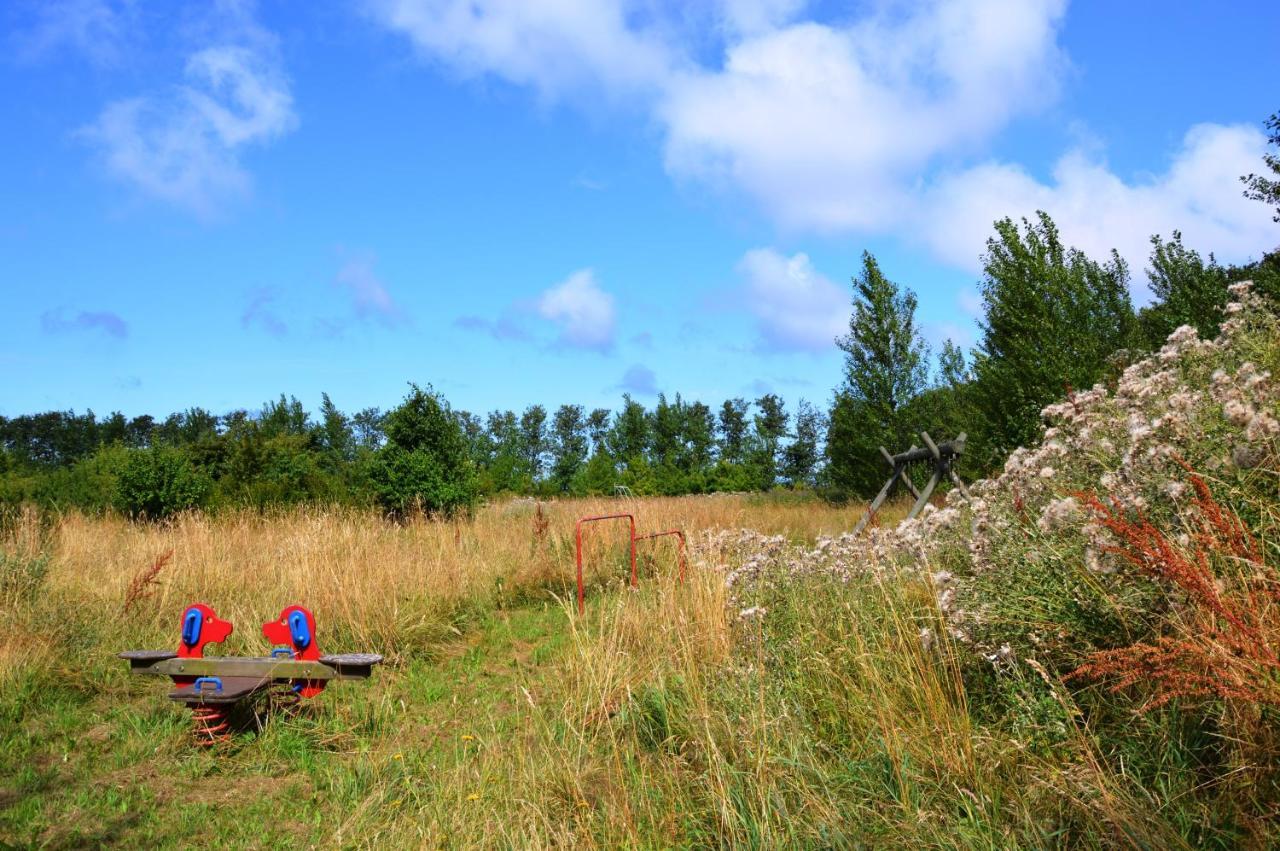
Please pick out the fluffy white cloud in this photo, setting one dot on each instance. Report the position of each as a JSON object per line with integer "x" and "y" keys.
{"x": 860, "y": 125}
{"x": 796, "y": 307}
{"x": 555, "y": 47}
{"x": 1096, "y": 210}
{"x": 183, "y": 146}
{"x": 828, "y": 127}
{"x": 583, "y": 311}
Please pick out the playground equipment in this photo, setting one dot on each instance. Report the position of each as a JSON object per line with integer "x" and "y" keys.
{"x": 631, "y": 521}
{"x": 212, "y": 687}
{"x": 941, "y": 455}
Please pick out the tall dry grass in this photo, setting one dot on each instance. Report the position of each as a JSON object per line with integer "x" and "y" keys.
{"x": 372, "y": 584}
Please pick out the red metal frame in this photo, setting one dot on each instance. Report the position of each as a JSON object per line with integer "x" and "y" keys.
{"x": 680, "y": 535}
{"x": 577, "y": 546}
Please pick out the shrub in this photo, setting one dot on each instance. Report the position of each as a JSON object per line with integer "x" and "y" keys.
{"x": 157, "y": 483}
{"x": 425, "y": 465}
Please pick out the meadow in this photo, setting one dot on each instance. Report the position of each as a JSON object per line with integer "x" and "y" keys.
{"x": 499, "y": 718}
{"x": 1084, "y": 653}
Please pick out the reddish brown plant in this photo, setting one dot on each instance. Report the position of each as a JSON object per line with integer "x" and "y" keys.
{"x": 1223, "y": 642}
{"x": 144, "y": 582}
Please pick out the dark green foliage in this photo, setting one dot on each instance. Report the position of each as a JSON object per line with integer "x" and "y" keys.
{"x": 732, "y": 428}
{"x": 886, "y": 366}
{"x": 533, "y": 438}
{"x": 569, "y": 445}
{"x": 1053, "y": 319}
{"x": 765, "y": 450}
{"x": 1259, "y": 187}
{"x": 424, "y": 465}
{"x": 630, "y": 436}
{"x": 156, "y": 483}
{"x": 800, "y": 456}
{"x": 1187, "y": 290}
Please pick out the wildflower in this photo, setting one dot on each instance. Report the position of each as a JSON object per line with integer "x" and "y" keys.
{"x": 753, "y": 612}
{"x": 1175, "y": 489}
{"x": 1261, "y": 426}
{"x": 1237, "y": 412}
{"x": 1047, "y": 472}
{"x": 1058, "y": 514}
{"x": 1240, "y": 289}
{"x": 467, "y": 737}
{"x": 926, "y": 639}
{"x": 398, "y": 756}
{"x": 474, "y": 796}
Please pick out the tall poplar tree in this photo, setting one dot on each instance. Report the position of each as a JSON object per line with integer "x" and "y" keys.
{"x": 1054, "y": 318}
{"x": 886, "y": 366}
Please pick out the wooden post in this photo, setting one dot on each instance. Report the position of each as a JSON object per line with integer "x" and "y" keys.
{"x": 941, "y": 456}
{"x": 880, "y": 497}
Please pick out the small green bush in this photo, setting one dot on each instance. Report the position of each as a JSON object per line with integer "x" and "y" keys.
{"x": 157, "y": 483}
{"x": 425, "y": 465}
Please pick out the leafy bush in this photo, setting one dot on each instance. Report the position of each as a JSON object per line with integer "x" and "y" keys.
{"x": 157, "y": 483}
{"x": 425, "y": 465}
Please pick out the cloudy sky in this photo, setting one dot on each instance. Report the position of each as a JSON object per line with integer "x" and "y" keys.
{"x": 563, "y": 200}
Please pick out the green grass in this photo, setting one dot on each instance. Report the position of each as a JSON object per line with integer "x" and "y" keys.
{"x": 98, "y": 759}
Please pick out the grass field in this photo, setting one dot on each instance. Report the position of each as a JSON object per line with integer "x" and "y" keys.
{"x": 501, "y": 718}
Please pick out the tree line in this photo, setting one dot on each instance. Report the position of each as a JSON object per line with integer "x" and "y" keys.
{"x": 422, "y": 453}
{"x": 1054, "y": 320}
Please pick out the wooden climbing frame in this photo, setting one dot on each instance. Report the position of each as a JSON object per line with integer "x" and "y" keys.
{"x": 942, "y": 456}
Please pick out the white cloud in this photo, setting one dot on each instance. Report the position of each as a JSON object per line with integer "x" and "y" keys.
{"x": 869, "y": 124}
{"x": 751, "y": 16}
{"x": 554, "y": 47}
{"x": 98, "y": 30}
{"x": 828, "y": 127}
{"x": 584, "y": 312}
{"x": 183, "y": 146}
{"x": 369, "y": 296}
{"x": 1096, "y": 210}
{"x": 796, "y": 307}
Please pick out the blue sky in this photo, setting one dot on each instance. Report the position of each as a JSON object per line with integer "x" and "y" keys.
{"x": 516, "y": 202}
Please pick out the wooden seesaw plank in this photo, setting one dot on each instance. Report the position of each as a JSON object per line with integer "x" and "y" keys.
{"x": 348, "y": 666}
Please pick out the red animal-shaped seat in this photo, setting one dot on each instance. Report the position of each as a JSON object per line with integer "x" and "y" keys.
{"x": 296, "y": 629}
{"x": 200, "y": 626}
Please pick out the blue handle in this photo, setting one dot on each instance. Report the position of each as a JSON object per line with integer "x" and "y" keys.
{"x": 192, "y": 623}
{"x": 201, "y": 682}
{"x": 277, "y": 652}
{"x": 299, "y": 630}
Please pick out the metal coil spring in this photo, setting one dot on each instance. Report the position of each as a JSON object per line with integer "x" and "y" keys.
{"x": 212, "y": 723}
{"x": 284, "y": 699}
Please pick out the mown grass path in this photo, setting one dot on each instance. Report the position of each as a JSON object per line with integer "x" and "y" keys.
{"x": 96, "y": 758}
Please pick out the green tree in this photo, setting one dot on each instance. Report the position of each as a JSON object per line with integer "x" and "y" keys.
{"x": 800, "y": 456}
{"x": 1259, "y": 187}
{"x": 952, "y": 370}
{"x": 1053, "y": 317}
{"x": 154, "y": 484}
{"x": 533, "y": 435}
{"x": 335, "y": 435}
{"x": 770, "y": 427}
{"x": 732, "y": 428}
{"x": 1187, "y": 291}
{"x": 628, "y": 440}
{"x": 598, "y": 429}
{"x": 569, "y": 445}
{"x": 886, "y": 366}
{"x": 424, "y": 464}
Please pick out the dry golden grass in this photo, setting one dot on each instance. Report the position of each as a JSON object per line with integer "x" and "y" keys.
{"x": 372, "y": 583}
